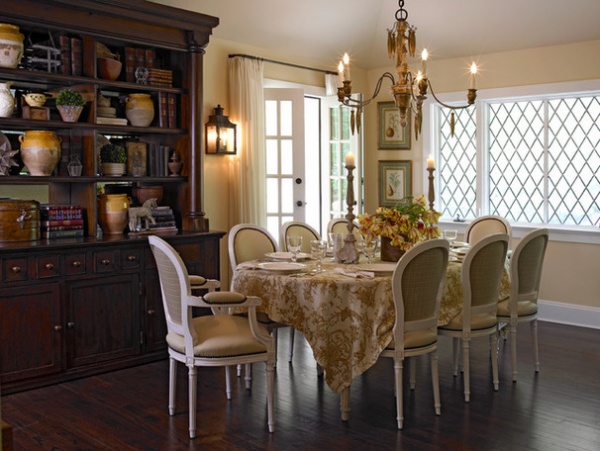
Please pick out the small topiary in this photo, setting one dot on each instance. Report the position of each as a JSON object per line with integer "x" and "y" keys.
{"x": 113, "y": 153}
{"x": 69, "y": 97}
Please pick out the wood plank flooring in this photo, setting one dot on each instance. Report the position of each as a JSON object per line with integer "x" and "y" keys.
{"x": 557, "y": 409}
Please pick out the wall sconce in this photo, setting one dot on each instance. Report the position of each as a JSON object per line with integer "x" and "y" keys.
{"x": 220, "y": 136}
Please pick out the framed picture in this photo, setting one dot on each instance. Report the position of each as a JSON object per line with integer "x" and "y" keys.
{"x": 136, "y": 158}
{"x": 391, "y": 135}
{"x": 395, "y": 182}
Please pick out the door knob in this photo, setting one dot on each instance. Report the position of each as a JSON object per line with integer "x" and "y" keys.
{"x": 299, "y": 203}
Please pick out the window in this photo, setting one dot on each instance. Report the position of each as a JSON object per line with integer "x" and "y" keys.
{"x": 540, "y": 157}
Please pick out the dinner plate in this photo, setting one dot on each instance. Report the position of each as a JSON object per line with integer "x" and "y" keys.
{"x": 461, "y": 250}
{"x": 454, "y": 259}
{"x": 379, "y": 269}
{"x": 459, "y": 244}
{"x": 282, "y": 267}
{"x": 285, "y": 255}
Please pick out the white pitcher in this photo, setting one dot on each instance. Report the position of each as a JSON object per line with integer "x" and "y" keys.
{"x": 7, "y": 101}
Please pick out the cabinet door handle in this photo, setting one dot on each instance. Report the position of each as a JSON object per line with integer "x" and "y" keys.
{"x": 131, "y": 258}
{"x": 49, "y": 266}
{"x": 105, "y": 262}
{"x": 16, "y": 269}
{"x": 70, "y": 324}
{"x": 76, "y": 264}
{"x": 57, "y": 328}
{"x": 151, "y": 312}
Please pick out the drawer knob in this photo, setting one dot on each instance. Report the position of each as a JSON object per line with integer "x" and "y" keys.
{"x": 16, "y": 269}
{"x": 151, "y": 312}
{"x": 76, "y": 264}
{"x": 49, "y": 266}
{"x": 105, "y": 262}
{"x": 70, "y": 324}
{"x": 57, "y": 328}
{"x": 131, "y": 258}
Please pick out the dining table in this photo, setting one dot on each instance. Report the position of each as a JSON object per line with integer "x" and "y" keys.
{"x": 346, "y": 312}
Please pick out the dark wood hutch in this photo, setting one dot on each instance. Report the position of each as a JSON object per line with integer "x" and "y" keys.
{"x": 79, "y": 306}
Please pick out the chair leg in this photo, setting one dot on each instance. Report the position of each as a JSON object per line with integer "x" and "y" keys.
{"x": 239, "y": 370}
{"x": 172, "y": 384}
{"x": 292, "y": 334}
{"x": 536, "y": 353}
{"x": 270, "y": 396}
{"x": 274, "y": 334}
{"x": 412, "y": 364}
{"x": 435, "y": 380}
{"x": 398, "y": 368}
{"x": 455, "y": 353}
{"x": 494, "y": 356}
{"x": 248, "y": 377}
{"x": 345, "y": 403}
{"x": 466, "y": 370}
{"x": 320, "y": 371}
{"x": 513, "y": 351}
{"x": 192, "y": 394}
{"x": 228, "y": 381}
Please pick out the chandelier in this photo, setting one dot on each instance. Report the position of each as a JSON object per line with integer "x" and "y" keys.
{"x": 410, "y": 89}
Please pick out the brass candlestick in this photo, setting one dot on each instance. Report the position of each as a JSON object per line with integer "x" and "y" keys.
{"x": 431, "y": 189}
{"x": 348, "y": 253}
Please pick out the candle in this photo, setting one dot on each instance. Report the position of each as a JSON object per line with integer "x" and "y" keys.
{"x": 346, "y": 61}
{"x": 424, "y": 56}
{"x": 341, "y": 73}
{"x": 350, "y": 159}
{"x": 472, "y": 76}
{"x": 430, "y": 163}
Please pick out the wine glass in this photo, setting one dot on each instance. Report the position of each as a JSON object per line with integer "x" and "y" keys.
{"x": 371, "y": 247}
{"x": 450, "y": 235}
{"x": 294, "y": 244}
{"x": 317, "y": 251}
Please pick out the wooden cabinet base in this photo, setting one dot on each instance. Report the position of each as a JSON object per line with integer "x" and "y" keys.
{"x": 7, "y": 437}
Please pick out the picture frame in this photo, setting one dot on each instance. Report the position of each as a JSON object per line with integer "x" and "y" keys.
{"x": 395, "y": 182}
{"x": 391, "y": 135}
{"x": 136, "y": 158}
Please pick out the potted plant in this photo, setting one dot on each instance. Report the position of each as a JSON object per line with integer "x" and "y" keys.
{"x": 400, "y": 227}
{"x": 113, "y": 159}
{"x": 70, "y": 104}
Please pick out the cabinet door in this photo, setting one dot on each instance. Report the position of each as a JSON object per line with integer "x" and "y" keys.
{"x": 30, "y": 331}
{"x": 155, "y": 326}
{"x": 103, "y": 319}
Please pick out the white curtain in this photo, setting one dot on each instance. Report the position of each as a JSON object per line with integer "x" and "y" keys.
{"x": 331, "y": 84}
{"x": 247, "y": 173}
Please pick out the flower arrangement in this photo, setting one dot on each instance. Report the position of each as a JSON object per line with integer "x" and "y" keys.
{"x": 408, "y": 223}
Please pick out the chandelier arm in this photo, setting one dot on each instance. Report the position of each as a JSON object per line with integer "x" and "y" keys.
{"x": 354, "y": 103}
{"x": 451, "y": 107}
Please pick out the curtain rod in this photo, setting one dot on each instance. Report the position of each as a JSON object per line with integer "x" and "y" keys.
{"x": 297, "y": 66}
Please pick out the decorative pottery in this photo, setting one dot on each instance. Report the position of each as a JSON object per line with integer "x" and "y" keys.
{"x": 40, "y": 150}
{"x": 113, "y": 213}
{"x": 69, "y": 113}
{"x": 113, "y": 169}
{"x": 390, "y": 253}
{"x": 109, "y": 68}
{"x": 35, "y": 99}
{"x": 7, "y": 101}
{"x": 175, "y": 164}
{"x": 139, "y": 109}
{"x": 11, "y": 45}
{"x": 143, "y": 193}
{"x": 74, "y": 167}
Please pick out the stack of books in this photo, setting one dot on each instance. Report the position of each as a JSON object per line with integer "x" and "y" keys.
{"x": 160, "y": 77}
{"x": 61, "y": 221}
{"x": 165, "y": 220}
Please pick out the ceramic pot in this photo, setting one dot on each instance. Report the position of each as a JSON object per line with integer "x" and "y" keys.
{"x": 144, "y": 193}
{"x": 113, "y": 169}
{"x": 11, "y": 45}
{"x": 35, "y": 99}
{"x": 7, "y": 101}
{"x": 40, "y": 150}
{"x": 390, "y": 253}
{"x": 112, "y": 209}
{"x": 139, "y": 110}
{"x": 69, "y": 113}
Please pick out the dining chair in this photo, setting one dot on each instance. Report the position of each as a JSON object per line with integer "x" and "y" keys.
{"x": 525, "y": 274}
{"x": 212, "y": 340}
{"x": 487, "y": 225}
{"x": 417, "y": 287}
{"x": 481, "y": 275}
{"x": 303, "y": 229}
{"x": 338, "y": 225}
{"x": 248, "y": 242}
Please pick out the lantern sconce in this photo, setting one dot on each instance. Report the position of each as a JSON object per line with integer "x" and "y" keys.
{"x": 220, "y": 135}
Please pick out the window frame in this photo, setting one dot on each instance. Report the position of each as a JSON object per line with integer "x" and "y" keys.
{"x": 574, "y": 234}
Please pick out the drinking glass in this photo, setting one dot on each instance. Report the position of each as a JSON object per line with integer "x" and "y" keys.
{"x": 450, "y": 235}
{"x": 294, "y": 244}
{"x": 371, "y": 246}
{"x": 317, "y": 251}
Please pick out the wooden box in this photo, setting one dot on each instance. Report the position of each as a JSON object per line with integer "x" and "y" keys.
{"x": 19, "y": 220}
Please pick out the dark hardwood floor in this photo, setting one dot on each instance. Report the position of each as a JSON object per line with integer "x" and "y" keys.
{"x": 557, "y": 409}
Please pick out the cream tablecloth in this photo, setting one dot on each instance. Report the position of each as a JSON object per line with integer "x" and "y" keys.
{"x": 347, "y": 321}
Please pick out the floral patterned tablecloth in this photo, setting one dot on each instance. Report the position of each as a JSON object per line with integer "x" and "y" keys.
{"x": 347, "y": 321}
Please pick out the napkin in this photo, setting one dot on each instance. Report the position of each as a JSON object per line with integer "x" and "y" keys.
{"x": 355, "y": 274}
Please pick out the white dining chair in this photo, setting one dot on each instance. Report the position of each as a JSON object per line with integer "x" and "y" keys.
{"x": 306, "y": 231}
{"x": 487, "y": 225}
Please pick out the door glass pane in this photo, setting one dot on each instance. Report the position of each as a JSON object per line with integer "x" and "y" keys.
{"x": 272, "y": 156}
{"x": 345, "y": 123}
{"x": 272, "y": 197}
{"x": 287, "y": 195}
{"x": 287, "y": 162}
{"x": 271, "y": 117}
{"x": 286, "y": 117}
{"x": 335, "y": 159}
{"x": 334, "y": 123}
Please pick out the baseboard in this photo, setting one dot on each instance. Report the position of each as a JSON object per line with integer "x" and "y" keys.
{"x": 575, "y": 315}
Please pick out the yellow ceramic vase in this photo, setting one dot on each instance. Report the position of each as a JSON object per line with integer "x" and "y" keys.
{"x": 40, "y": 150}
{"x": 113, "y": 213}
{"x": 139, "y": 110}
{"x": 11, "y": 45}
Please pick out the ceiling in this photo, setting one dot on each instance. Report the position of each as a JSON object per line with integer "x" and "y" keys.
{"x": 320, "y": 31}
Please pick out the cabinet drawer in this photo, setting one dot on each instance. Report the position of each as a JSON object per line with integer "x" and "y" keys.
{"x": 75, "y": 264}
{"x": 105, "y": 261}
{"x": 130, "y": 258}
{"x": 15, "y": 269}
{"x": 48, "y": 266}
{"x": 190, "y": 253}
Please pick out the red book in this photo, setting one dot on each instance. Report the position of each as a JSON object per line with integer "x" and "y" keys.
{"x": 61, "y": 223}
{"x": 76, "y": 56}
{"x": 65, "y": 54}
{"x": 172, "y": 110}
{"x": 150, "y": 58}
{"x": 130, "y": 64}
{"x": 163, "y": 113}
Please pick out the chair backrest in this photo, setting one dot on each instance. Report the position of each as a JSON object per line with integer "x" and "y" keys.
{"x": 307, "y": 232}
{"x": 417, "y": 286}
{"x": 174, "y": 286}
{"x": 481, "y": 275}
{"x": 526, "y": 267}
{"x": 249, "y": 242}
{"x": 487, "y": 225}
{"x": 338, "y": 225}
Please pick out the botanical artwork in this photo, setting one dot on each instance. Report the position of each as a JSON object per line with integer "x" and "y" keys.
{"x": 391, "y": 134}
{"x": 394, "y": 182}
